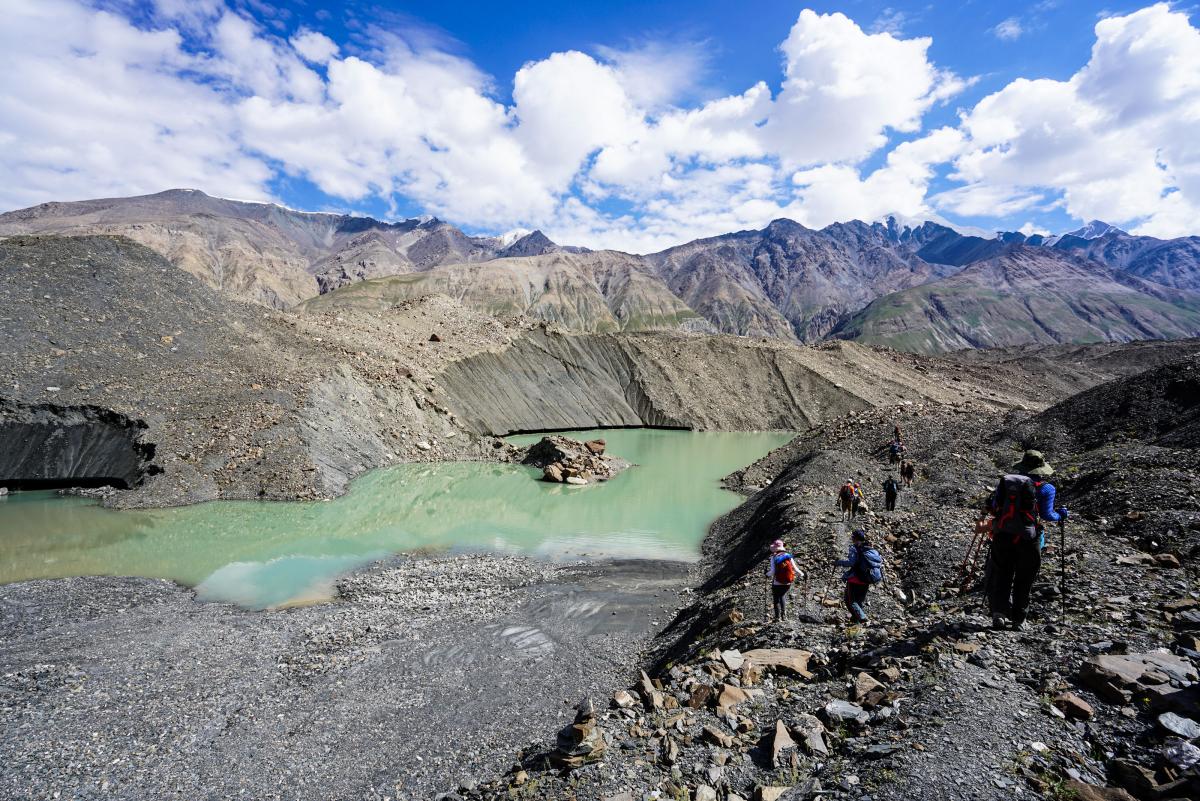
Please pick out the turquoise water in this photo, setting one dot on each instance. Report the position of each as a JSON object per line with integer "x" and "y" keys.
{"x": 268, "y": 554}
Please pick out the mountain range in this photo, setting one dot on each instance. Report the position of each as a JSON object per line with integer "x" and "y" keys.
{"x": 915, "y": 286}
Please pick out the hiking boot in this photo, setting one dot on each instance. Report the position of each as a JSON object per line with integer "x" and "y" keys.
{"x": 1018, "y": 625}
{"x": 998, "y": 622}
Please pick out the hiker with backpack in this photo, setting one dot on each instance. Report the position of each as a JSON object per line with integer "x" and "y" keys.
{"x": 1022, "y": 501}
{"x": 907, "y": 472}
{"x": 782, "y": 570}
{"x": 865, "y": 567}
{"x": 845, "y": 500}
{"x": 891, "y": 488}
{"x": 896, "y": 451}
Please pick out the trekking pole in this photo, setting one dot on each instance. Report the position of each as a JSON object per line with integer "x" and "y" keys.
{"x": 1062, "y": 569}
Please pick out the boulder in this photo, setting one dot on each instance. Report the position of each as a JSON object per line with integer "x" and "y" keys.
{"x": 1073, "y": 706}
{"x": 811, "y": 732}
{"x": 595, "y": 446}
{"x": 839, "y": 711}
{"x": 787, "y": 660}
{"x": 700, "y": 696}
{"x": 781, "y": 744}
{"x": 730, "y": 697}
{"x": 704, "y": 793}
{"x": 575, "y": 481}
{"x": 717, "y": 737}
{"x": 1090, "y": 792}
{"x": 1184, "y": 727}
{"x": 553, "y": 472}
{"x": 651, "y": 697}
{"x": 867, "y": 690}
{"x": 623, "y": 699}
{"x": 1115, "y": 677}
{"x": 733, "y": 659}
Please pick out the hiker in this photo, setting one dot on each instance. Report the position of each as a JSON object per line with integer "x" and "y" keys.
{"x": 896, "y": 434}
{"x": 1022, "y": 501}
{"x": 896, "y": 451}
{"x": 891, "y": 488}
{"x": 782, "y": 570}
{"x": 860, "y": 501}
{"x": 865, "y": 568}
{"x": 907, "y": 471}
{"x": 845, "y": 500}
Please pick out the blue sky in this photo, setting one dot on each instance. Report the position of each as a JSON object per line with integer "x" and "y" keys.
{"x": 620, "y": 124}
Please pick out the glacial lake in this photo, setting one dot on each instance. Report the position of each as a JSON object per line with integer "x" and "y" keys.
{"x": 268, "y": 554}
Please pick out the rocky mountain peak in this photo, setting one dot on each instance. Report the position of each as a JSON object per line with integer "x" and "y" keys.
{"x": 1095, "y": 229}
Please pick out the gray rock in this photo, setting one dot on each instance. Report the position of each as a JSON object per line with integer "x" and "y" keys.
{"x": 1184, "y": 727}
{"x": 841, "y": 711}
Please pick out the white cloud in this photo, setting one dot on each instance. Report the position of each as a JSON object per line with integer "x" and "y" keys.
{"x": 655, "y": 74}
{"x": 314, "y": 46}
{"x": 1009, "y": 30}
{"x": 1117, "y": 140}
{"x": 844, "y": 89}
{"x": 93, "y": 104}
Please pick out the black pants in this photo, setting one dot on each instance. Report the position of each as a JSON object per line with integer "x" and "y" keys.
{"x": 889, "y": 502}
{"x": 779, "y": 599}
{"x": 1014, "y": 568}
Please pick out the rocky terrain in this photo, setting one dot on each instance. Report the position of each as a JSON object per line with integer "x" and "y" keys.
{"x": 240, "y": 401}
{"x": 413, "y": 684}
{"x": 927, "y": 701}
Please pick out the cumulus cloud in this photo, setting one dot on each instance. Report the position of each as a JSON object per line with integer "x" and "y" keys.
{"x": 1117, "y": 140}
{"x": 94, "y": 103}
{"x": 845, "y": 89}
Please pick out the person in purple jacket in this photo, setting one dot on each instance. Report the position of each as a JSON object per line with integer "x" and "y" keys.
{"x": 1022, "y": 502}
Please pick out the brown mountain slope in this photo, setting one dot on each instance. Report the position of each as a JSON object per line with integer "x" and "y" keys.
{"x": 1026, "y": 295}
{"x": 259, "y": 251}
{"x": 788, "y": 279}
{"x": 594, "y": 292}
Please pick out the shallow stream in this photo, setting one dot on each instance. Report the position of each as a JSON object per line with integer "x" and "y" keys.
{"x": 267, "y": 554}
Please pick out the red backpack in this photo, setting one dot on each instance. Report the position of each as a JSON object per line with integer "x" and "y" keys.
{"x": 785, "y": 569}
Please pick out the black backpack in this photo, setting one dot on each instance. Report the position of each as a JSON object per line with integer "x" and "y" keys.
{"x": 1015, "y": 507}
{"x": 891, "y": 487}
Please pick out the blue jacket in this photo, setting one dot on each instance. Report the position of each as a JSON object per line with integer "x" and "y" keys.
{"x": 1046, "y": 510}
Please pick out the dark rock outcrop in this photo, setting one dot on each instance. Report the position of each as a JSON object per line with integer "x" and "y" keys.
{"x": 45, "y": 445}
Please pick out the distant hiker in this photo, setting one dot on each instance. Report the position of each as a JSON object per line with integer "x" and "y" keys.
{"x": 891, "y": 488}
{"x": 845, "y": 500}
{"x": 907, "y": 472}
{"x": 865, "y": 568}
{"x": 896, "y": 434}
{"x": 860, "y": 500}
{"x": 1021, "y": 501}
{"x": 782, "y": 570}
{"x": 895, "y": 451}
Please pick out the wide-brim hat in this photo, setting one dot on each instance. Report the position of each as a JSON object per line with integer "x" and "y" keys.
{"x": 1033, "y": 464}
